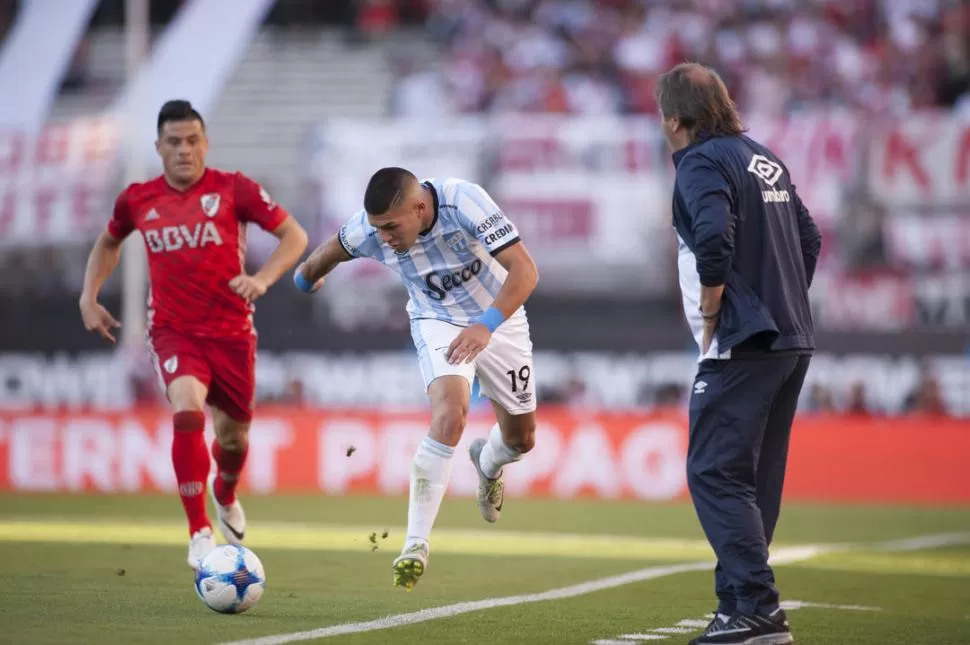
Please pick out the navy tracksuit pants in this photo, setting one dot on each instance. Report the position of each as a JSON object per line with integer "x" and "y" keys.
{"x": 741, "y": 413}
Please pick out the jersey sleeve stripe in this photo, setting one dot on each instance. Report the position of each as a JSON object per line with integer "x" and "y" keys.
{"x": 511, "y": 242}
{"x": 343, "y": 245}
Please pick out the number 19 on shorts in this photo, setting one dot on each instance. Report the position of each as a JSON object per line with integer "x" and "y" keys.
{"x": 520, "y": 378}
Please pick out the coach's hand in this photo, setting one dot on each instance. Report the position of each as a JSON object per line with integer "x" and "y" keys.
{"x": 97, "y": 318}
{"x": 469, "y": 344}
{"x": 247, "y": 287}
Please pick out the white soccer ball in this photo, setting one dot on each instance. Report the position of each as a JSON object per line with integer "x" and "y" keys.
{"x": 230, "y": 579}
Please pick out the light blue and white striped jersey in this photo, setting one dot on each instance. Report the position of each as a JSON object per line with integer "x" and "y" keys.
{"x": 450, "y": 272}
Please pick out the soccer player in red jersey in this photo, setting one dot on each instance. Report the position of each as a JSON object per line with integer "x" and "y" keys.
{"x": 200, "y": 306}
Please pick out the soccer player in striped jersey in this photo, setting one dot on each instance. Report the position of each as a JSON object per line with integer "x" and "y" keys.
{"x": 468, "y": 275}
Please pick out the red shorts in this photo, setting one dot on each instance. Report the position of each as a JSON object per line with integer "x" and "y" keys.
{"x": 227, "y": 366}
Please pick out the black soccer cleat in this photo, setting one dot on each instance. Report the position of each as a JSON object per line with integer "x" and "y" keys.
{"x": 742, "y": 629}
{"x": 716, "y": 623}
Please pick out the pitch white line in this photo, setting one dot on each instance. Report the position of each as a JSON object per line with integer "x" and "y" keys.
{"x": 925, "y": 542}
{"x": 435, "y": 613}
{"x": 692, "y": 622}
{"x": 640, "y": 637}
{"x": 689, "y": 625}
{"x": 791, "y": 605}
{"x": 781, "y": 556}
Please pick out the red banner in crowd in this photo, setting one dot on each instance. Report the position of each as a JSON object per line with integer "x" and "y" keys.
{"x": 921, "y": 160}
{"x": 633, "y": 456}
{"x": 55, "y": 185}
{"x": 941, "y": 242}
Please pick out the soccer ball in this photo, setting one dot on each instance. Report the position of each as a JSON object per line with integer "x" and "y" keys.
{"x": 230, "y": 579}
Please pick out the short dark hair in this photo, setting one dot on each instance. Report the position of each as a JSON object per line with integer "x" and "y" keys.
{"x": 178, "y": 110}
{"x": 385, "y": 189}
{"x": 696, "y": 95}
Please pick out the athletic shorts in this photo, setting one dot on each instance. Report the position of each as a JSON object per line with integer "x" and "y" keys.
{"x": 504, "y": 368}
{"x": 226, "y": 366}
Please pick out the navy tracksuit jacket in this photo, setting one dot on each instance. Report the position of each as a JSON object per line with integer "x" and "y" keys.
{"x": 740, "y": 223}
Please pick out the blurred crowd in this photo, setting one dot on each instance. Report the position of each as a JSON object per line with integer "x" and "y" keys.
{"x": 924, "y": 399}
{"x": 595, "y": 57}
{"x": 604, "y": 56}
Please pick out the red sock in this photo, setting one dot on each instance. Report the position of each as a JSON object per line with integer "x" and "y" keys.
{"x": 191, "y": 462}
{"x": 230, "y": 464}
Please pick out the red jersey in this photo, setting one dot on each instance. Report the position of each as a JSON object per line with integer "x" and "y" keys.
{"x": 196, "y": 242}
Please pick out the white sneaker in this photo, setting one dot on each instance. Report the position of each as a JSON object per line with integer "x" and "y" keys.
{"x": 410, "y": 565}
{"x": 491, "y": 492}
{"x": 232, "y": 518}
{"x": 200, "y": 544}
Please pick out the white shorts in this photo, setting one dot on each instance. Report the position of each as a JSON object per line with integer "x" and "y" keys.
{"x": 504, "y": 368}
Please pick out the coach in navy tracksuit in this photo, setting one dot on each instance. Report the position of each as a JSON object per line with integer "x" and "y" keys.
{"x": 748, "y": 249}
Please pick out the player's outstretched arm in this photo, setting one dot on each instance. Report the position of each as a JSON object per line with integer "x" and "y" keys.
{"x": 521, "y": 281}
{"x": 312, "y": 273}
{"x": 293, "y": 241}
{"x": 101, "y": 264}
{"x": 519, "y": 284}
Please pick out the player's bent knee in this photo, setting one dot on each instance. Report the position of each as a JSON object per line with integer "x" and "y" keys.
{"x": 232, "y": 434}
{"x": 448, "y": 423}
{"x": 519, "y": 431}
{"x": 235, "y": 442}
{"x": 187, "y": 393}
{"x": 524, "y": 442}
{"x": 449, "y": 397}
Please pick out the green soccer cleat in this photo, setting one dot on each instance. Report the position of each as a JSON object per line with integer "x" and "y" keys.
{"x": 410, "y": 565}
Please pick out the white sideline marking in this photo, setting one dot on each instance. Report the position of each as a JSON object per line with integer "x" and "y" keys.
{"x": 435, "y": 613}
{"x": 782, "y": 556}
{"x": 690, "y": 622}
{"x": 640, "y": 637}
{"x": 925, "y": 542}
{"x": 791, "y": 605}
{"x": 689, "y": 625}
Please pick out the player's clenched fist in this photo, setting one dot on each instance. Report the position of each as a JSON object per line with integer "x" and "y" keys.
{"x": 247, "y": 287}
{"x": 96, "y": 318}
{"x": 469, "y": 344}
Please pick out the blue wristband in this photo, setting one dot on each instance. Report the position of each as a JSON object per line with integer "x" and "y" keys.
{"x": 492, "y": 318}
{"x": 302, "y": 283}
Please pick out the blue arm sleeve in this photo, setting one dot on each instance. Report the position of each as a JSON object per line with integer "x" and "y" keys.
{"x": 708, "y": 197}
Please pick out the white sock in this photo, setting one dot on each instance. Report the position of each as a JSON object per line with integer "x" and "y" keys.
{"x": 496, "y": 454}
{"x": 724, "y": 617}
{"x": 430, "y": 473}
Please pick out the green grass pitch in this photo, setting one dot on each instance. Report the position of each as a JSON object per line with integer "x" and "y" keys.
{"x": 90, "y": 569}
